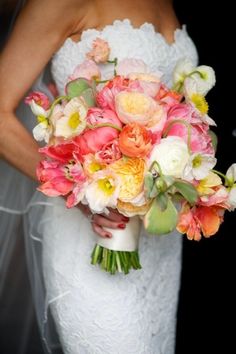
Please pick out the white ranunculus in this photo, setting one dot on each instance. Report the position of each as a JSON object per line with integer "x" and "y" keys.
{"x": 172, "y": 155}
{"x": 183, "y": 68}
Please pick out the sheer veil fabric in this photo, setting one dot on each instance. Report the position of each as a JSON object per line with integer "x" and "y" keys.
{"x": 21, "y": 204}
{"x": 20, "y": 207}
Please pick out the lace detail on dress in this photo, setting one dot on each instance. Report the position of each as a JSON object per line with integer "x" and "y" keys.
{"x": 96, "y": 313}
{"x": 125, "y": 41}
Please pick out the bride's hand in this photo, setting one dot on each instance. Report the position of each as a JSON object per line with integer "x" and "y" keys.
{"x": 114, "y": 220}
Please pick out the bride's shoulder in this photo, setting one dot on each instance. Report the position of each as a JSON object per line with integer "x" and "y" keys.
{"x": 63, "y": 13}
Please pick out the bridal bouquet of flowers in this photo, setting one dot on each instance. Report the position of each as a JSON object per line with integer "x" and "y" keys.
{"x": 131, "y": 143}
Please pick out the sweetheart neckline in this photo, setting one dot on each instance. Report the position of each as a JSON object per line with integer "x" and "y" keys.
{"x": 145, "y": 27}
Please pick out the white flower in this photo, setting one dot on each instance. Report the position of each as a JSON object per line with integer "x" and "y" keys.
{"x": 230, "y": 182}
{"x": 199, "y": 166}
{"x": 231, "y": 174}
{"x": 182, "y": 69}
{"x": 172, "y": 155}
{"x": 42, "y": 132}
{"x": 73, "y": 122}
{"x": 103, "y": 191}
{"x": 205, "y": 79}
{"x": 38, "y": 110}
{"x": 197, "y": 100}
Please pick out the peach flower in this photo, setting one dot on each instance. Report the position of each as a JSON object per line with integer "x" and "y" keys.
{"x": 131, "y": 172}
{"x": 135, "y": 140}
{"x": 100, "y": 51}
{"x": 139, "y": 108}
{"x": 198, "y": 221}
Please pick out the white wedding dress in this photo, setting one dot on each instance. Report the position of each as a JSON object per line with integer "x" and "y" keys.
{"x": 95, "y": 312}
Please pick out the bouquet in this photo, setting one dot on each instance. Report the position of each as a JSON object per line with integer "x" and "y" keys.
{"x": 131, "y": 143}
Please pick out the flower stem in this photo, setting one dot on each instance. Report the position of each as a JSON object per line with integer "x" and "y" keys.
{"x": 95, "y": 126}
{"x": 227, "y": 182}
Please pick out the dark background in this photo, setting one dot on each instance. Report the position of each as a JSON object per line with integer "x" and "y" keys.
{"x": 207, "y": 298}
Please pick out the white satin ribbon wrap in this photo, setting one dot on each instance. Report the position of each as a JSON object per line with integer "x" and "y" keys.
{"x": 123, "y": 240}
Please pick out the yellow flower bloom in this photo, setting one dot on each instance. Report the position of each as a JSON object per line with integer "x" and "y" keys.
{"x": 131, "y": 173}
{"x": 207, "y": 184}
{"x": 200, "y": 103}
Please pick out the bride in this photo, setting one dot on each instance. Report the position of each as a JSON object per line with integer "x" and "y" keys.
{"x": 93, "y": 311}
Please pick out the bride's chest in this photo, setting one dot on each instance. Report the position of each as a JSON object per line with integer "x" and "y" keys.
{"x": 125, "y": 41}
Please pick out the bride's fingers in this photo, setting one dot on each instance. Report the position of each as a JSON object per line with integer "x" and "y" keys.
{"x": 114, "y": 215}
{"x": 100, "y": 231}
{"x": 105, "y": 222}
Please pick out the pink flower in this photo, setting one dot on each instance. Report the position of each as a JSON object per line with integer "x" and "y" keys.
{"x": 52, "y": 175}
{"x": 93, "y": 140}
{"x": 129, "y": 65}
{"x": 100, "y": 51}
{"x": 106, "y": 96}
{"x": 200, "y": 140}
{"x": 87, "y": 70}
{"x": 61, "y": 179}
{"x": 39, "y": 98}
{"x": 168, "y": 97}
{"x": 63, "y": 152}
{"x": 109, "y": 153}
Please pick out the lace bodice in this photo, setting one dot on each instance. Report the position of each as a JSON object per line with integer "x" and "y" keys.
{"x": 125, "y": 41}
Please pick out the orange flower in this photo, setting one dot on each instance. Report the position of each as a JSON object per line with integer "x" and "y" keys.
{"x": 199, "y": 220}
{"x": 131, "y": 173}
{"x": 135, "y": 140}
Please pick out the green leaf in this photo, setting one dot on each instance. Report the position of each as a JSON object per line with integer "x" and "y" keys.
{"x": 148, "y": 184}
{"x": 89, "y": 97}
{"x": 158, "y": 221}
{"x": 214, "y": 139}
{"x": 187, "y": 190}
{"x": 162, "y": 201}
{"x": 76, "y": 87}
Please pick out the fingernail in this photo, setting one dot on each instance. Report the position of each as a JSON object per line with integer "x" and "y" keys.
{"x": 122, "y": 226}
{"x": 125, "y": 219}
{"x": 108, "y": 235}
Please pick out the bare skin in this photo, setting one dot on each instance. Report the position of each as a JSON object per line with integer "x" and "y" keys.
{"x": 40, "y": 31}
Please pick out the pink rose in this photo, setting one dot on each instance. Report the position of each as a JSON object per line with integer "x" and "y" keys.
{"x": 39, "y": 98}
{"x": 100, "y": 51}
{"x": 93, "y": 140}
{"x": 87, "y": 70}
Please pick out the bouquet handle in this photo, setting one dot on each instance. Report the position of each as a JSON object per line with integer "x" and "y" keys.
{"x": 119, "y": 253}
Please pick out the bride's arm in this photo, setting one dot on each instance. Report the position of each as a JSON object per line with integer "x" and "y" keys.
{"x": 39, "y": 31}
